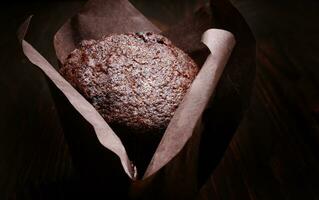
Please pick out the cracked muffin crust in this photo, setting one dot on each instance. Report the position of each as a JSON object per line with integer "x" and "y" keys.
{"x": 134, "y": 80}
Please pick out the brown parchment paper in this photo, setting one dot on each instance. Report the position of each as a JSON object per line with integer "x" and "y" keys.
{"x": 100, "y": 18}
{"x": 184, "y": 121}
{"x": 175, "y": 160}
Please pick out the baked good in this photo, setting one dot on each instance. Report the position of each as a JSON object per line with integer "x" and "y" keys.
{"x": 134, "y": 80}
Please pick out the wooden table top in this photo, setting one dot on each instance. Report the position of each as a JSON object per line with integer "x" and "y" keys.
{"x": 273, "y": 155}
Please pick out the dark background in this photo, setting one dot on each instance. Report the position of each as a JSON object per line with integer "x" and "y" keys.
{"x": 273, "y": 155}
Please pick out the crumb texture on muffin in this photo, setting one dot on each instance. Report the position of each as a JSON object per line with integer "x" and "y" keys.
{"x": 136, "y": 80}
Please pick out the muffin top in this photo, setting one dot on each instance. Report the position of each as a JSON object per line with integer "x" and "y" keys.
{"x": 134, "y": 80}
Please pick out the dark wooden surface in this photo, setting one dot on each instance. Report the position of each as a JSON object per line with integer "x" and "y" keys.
{"x": 273, "y": 155}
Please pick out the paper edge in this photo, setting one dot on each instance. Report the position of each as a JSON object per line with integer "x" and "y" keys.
{"x": 211, "y": 38}
{"x": 88, "y": 111}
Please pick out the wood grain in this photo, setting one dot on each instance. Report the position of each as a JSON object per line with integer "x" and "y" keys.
{"x": 274, "y": 154}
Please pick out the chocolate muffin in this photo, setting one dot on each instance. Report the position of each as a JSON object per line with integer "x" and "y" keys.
{"x": 135, "y": 81}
